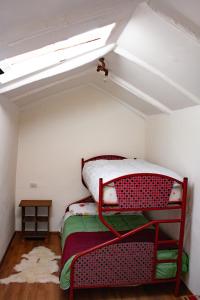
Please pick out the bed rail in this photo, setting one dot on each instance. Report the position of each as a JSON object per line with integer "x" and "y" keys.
{"x": 108, "y": 157}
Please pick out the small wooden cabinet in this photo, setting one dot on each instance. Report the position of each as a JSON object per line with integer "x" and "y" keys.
{"x": 35, "y": 218}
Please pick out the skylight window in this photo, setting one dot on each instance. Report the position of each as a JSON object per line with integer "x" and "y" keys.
{"x": 53, "y": 55}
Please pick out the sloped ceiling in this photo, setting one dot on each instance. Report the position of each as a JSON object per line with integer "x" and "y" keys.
{"x": 153, "y": 68}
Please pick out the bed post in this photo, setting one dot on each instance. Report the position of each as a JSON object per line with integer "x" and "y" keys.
{"x": 71, "y": 288}
{"x": 82, "y": 165}
{"x": 181, "y": 237}
{"x": 71, "y": 293}
{"x": 100, "y": 209}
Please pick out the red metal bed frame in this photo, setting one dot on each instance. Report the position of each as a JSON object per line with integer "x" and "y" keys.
{"x": 113, "y": 264}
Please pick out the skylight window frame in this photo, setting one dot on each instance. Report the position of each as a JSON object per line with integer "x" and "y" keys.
{"x": 72, "y": 48}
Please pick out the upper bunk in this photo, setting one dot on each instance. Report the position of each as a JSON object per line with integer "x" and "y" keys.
{"x": 117, "y": 183}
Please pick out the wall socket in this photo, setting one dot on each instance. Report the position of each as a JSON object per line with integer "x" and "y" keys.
{"x": 33, "y": 185}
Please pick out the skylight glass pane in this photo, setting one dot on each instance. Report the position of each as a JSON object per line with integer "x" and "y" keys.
{"x": 54, "y": 54}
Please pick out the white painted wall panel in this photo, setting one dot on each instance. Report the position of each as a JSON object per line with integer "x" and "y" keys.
{"x": 57, "y": 132}
{"x": 173, "y": 141}
{"x": 8, "y": 156}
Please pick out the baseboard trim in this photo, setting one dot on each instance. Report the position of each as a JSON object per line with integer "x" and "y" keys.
{"x": 6, "y": 251}
{"x": 52, "y": 232}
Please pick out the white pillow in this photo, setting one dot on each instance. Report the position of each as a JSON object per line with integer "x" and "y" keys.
{"x": 83, "y": 209}
{"x": 90, "y": 209}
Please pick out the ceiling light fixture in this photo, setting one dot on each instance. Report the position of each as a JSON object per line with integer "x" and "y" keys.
{"x": 101, "y": 67}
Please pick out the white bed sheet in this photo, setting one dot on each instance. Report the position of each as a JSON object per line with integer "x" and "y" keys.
{"x": 110, "y": 169}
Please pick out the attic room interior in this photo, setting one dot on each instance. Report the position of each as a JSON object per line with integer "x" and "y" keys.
{"x": 99, "y": 149}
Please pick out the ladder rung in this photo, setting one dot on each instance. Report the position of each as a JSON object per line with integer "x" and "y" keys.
{"x": 168, "y": 242}
{"x": 165, "y": 260}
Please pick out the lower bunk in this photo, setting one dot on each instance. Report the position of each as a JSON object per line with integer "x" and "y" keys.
{"x": 94, "y": 257}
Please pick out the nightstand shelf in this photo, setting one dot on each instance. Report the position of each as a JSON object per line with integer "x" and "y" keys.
{"x": 35, "y": 219}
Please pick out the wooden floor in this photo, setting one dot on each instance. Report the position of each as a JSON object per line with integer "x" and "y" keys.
{"x": 50, "y": 291}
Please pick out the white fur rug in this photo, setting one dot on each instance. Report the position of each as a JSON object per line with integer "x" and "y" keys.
{"x": 36, "y": 266}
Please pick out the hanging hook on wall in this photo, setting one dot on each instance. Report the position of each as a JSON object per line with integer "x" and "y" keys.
{"x": 102, "y": 66}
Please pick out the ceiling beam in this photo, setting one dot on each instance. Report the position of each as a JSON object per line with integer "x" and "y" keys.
{"x": 138, "y": 93}
{"x": 54, "y": 83}
{"x": 136, "y": 111}
{"x": 133, "y": 58}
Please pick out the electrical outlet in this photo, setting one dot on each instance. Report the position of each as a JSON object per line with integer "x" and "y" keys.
{"x": 33, "y": 185}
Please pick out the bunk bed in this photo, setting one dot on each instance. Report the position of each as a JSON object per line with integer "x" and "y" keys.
{"x": 107, "y": 241}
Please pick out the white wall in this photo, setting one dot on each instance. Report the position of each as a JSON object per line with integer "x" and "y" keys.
{"x": 58, "y": 131}
{"x": 8, "y": 157}
{"x": 174, "y": 141}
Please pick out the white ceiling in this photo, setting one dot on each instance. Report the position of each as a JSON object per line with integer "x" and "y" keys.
{"x": 154, "y": 67}
{"x": 29, "y": 25}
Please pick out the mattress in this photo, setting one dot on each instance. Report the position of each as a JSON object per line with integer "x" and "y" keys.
{"x": 81, "y": 232}
{"x": 110, "y": 169}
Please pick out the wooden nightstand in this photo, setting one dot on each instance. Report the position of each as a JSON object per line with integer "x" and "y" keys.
{"x": 35, "y": 218}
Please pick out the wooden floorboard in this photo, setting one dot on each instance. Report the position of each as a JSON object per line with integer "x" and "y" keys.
{"x": 50, "y": 291}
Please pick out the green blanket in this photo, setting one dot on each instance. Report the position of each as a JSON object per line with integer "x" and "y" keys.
{"x": 93, "y": 224}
